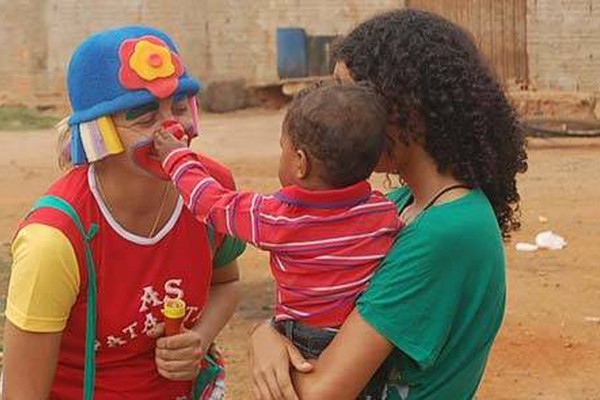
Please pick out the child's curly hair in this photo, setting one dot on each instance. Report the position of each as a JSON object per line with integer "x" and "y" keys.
{"x": 446, "y": 98}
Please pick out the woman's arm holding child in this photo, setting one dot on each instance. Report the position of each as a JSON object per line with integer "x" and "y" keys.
{"x": 341, "y": 372}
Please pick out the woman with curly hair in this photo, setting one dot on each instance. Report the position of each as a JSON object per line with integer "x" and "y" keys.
{"x": 424, "y": 327}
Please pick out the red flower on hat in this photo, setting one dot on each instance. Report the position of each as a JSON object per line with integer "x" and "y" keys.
{"x": 148, "y": 63}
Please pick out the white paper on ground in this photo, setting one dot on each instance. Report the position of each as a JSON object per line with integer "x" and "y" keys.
{"x": 522, "y": 246}
{"x": 550, "y": 240}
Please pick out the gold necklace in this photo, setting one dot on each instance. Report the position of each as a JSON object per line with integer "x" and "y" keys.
{"x": 158, "y": 213}
{"x": 160, "y": 210}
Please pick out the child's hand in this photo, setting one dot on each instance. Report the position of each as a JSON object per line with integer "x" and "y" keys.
{"x": 165, "y": 142}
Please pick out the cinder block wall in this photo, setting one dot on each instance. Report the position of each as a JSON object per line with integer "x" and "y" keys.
{"x": 39, "y": 36}
{"x": 219, "y": 39}
{"x": 243, "y": 42}
{"x": 23, "y": 49}
{"x": 563, "y": 44}
{"x": 231, "y": 39}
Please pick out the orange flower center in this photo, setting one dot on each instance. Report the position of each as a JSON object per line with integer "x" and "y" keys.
{"x": 155, "y": 60}
{"x": 151, "y": 61}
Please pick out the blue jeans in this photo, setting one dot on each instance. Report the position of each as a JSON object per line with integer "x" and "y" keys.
{"x": 309, "y": 340}
{"x": 312, "y": 341}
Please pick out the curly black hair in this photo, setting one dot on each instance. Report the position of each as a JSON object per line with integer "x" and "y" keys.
{"x": 446, "y": 98}
{"x": 343, "y": 126}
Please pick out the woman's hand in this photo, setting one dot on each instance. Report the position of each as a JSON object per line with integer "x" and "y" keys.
{"x": 178, "y": 357}
{"x": 270, "y": 357}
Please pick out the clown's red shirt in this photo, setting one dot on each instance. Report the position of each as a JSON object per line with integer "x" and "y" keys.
{"x": 134, "y": 275}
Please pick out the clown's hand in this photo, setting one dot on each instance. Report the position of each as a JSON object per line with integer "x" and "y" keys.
{"x": 165, "y": 143}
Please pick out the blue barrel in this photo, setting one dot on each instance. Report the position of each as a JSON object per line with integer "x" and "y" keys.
{"x": 292, "y": 59}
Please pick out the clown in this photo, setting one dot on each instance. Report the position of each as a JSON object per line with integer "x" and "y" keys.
{"x": 97, "y": 258}
{"x": 150, "y": 76}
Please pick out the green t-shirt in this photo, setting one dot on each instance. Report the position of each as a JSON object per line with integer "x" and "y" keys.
{"x": 439, "y": 297}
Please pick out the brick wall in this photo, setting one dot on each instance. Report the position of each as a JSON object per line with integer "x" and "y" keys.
{"x": 563, "y": 44}
{"x": 219, "y": 39}
{"x": 229, "y": 39}
{"x": 243, "y": 41}
{"x": 23, "y": 49}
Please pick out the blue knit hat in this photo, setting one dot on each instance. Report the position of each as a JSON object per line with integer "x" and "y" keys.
{"x": 122, "y": 68}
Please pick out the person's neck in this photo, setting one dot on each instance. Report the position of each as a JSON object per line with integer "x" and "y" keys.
{"x": 129, "y": 193}
{"x": 314, "y": 185}
{"x": 422, "y": 176}
{"x": 314, "y": 182}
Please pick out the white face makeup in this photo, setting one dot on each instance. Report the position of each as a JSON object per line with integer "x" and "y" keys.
{"x": 137, "y": 126}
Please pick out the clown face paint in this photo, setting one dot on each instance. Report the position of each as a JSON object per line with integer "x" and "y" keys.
{"x": 145, "y": 156}
{"x": 175, "y": 128}
{"x": 193, "y": 104}
{"x": 137, "y": 126}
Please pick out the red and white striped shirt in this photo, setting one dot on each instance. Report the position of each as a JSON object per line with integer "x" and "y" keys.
{"x": 325, "y": 245}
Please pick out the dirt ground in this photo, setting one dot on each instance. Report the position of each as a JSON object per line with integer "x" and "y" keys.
{"x": 549, "y": 346}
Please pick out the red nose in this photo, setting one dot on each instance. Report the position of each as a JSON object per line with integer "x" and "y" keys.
{"x": 175, "y": 128}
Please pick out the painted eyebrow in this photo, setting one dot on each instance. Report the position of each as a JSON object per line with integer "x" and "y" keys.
{"x": 141, "y": 110}
{"x": 179, "y": 97}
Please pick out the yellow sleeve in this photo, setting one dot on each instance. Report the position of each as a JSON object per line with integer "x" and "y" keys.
{"x": 44, "y": 280}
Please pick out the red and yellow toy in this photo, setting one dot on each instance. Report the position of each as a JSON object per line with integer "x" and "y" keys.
{"x": 174, "y": 312}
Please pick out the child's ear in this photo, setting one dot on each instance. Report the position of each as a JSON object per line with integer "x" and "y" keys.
{"x": 302, "y": 164}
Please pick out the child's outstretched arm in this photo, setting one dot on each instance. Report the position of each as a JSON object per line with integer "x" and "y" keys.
{"x": 227, "y": 211}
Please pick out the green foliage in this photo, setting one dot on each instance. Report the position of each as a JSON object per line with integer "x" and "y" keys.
{"x": 21, "y": 118}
